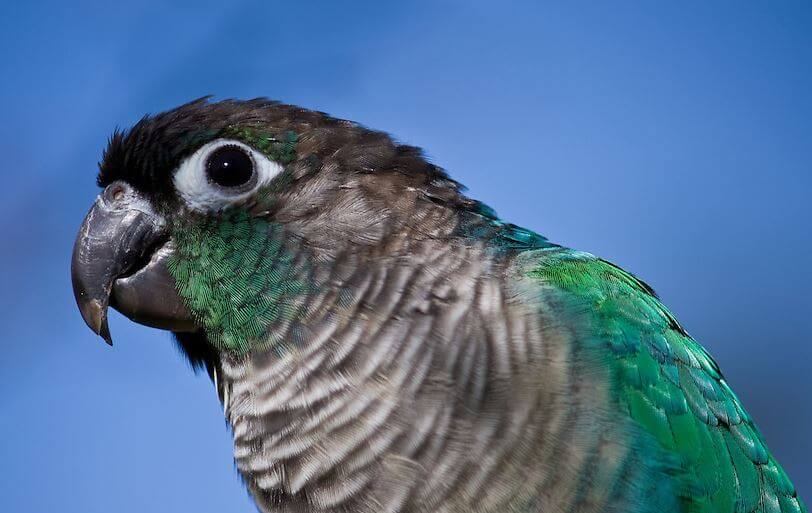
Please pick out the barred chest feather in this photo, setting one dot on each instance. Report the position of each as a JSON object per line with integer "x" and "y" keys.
{"x": 433, "y": 382}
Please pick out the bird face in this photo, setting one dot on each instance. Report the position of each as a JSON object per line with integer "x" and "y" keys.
{"x": 212, "y": 215}
{"x": 169, "y": 179}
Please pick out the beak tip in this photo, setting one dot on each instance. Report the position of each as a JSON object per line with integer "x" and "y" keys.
{"x": 104, "y": 332}
{"x": 94, "y": 312}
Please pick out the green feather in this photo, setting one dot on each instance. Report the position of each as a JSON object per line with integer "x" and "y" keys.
{"x": 237, "y": 277}
{"x": 670, "y": 387}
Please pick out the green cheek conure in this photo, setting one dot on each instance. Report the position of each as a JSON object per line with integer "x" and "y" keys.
{"x": 382, "y": 343}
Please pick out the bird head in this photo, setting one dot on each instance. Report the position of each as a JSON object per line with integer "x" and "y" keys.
{"x": 214, "y": 216}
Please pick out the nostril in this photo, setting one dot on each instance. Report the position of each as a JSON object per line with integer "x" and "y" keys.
{"x": 115, "y": 192}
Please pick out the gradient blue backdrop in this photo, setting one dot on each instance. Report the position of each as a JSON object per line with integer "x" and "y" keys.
{"x": 675, "y": 141}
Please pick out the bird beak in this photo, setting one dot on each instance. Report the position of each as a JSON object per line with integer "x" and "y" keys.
{"x": 120, "y": 260}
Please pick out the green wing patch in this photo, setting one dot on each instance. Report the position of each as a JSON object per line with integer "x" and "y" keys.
{"x": 672, "y": 388}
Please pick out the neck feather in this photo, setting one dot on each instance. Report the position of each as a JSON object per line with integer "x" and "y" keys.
{"x": 240, "y": 275}
{"x": 408, "y": 363}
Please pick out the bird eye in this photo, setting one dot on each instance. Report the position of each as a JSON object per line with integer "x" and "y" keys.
{"x": 230, "y": 166}
{"x": 223, "y": 173}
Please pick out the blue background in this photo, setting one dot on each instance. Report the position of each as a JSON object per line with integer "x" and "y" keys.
{"x": 675, "y": 141}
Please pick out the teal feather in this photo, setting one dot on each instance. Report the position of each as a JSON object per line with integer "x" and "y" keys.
{"x": 672, "y": 388}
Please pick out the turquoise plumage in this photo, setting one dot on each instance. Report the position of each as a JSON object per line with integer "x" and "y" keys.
{"x": 671, "y": 387}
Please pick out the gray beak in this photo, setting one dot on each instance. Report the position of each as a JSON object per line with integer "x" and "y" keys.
{"x": 120, "y": 260}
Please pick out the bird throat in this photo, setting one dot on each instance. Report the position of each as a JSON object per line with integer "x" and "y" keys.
{"x": 239, "y": 275}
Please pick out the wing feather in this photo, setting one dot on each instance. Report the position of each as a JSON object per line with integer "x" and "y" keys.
{"x": 669, "y": 385}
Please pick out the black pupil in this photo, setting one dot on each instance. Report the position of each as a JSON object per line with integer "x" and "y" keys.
{"x": 229, "y": 166}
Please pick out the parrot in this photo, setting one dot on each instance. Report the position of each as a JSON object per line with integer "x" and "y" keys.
{"x": 381, "y": 342}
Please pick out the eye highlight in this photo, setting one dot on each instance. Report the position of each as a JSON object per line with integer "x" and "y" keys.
{"x": 229, "y": 166}
{"x": 223, "y": 173}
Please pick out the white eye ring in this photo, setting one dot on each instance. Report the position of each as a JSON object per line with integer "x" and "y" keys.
{"x": 199, "y": 193}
